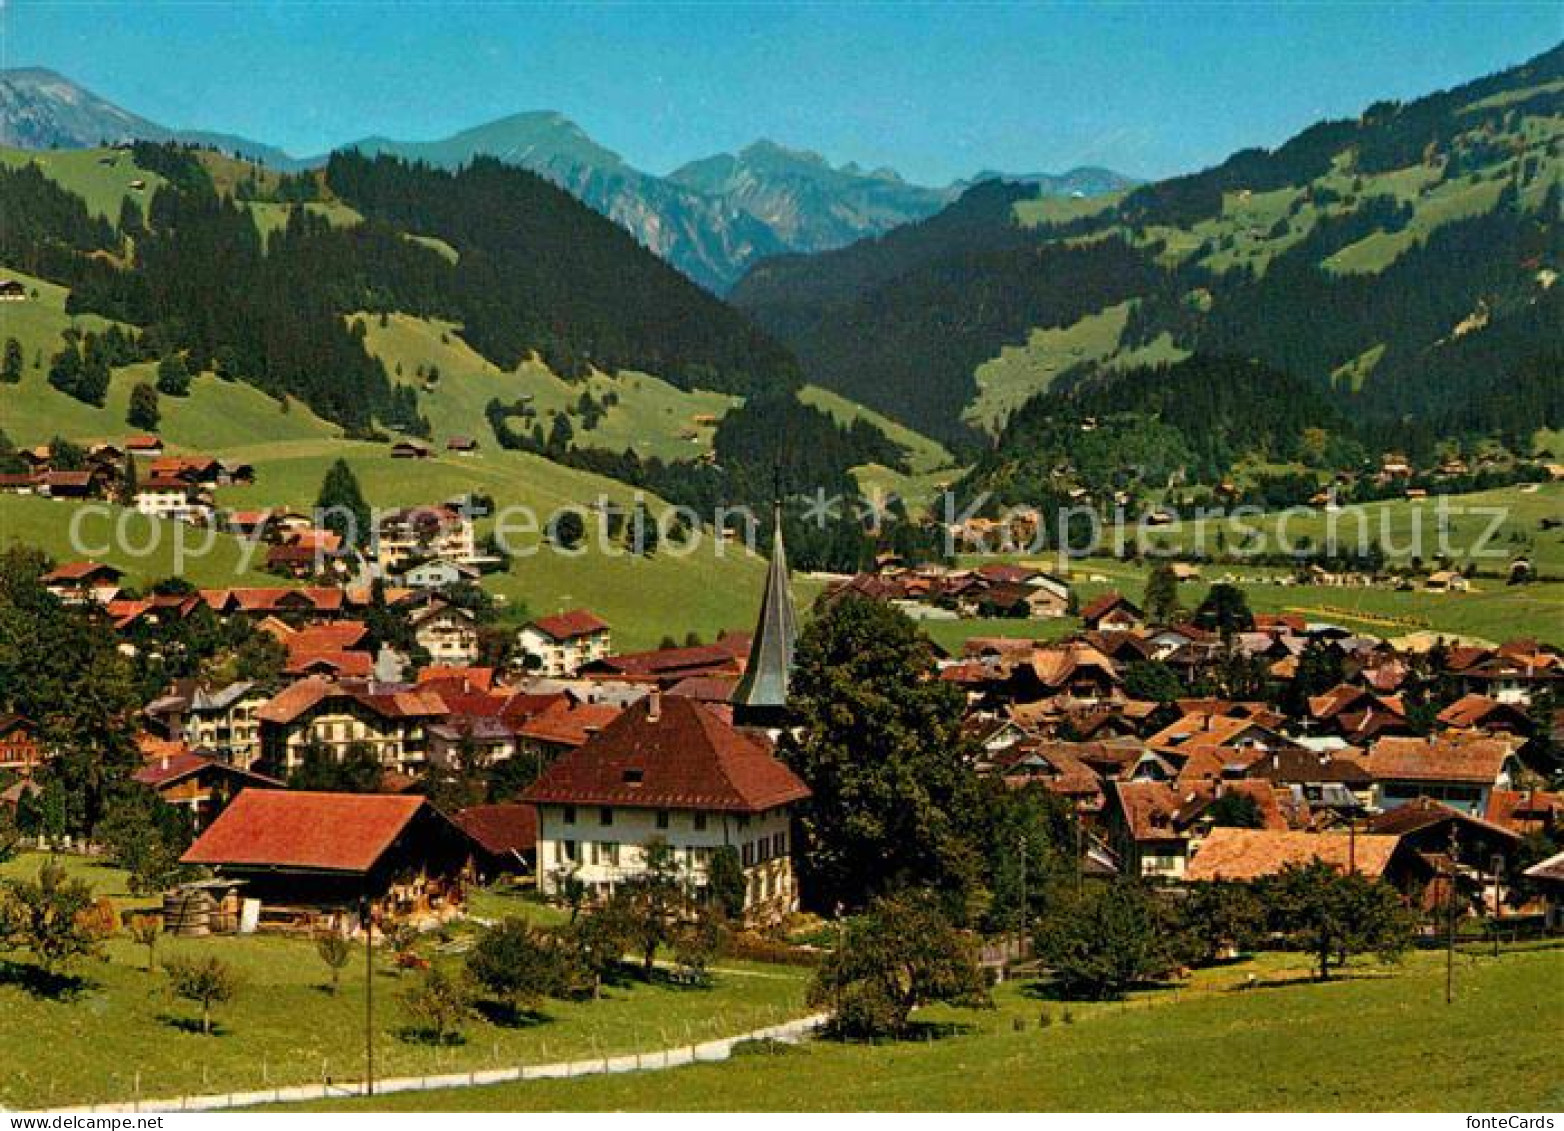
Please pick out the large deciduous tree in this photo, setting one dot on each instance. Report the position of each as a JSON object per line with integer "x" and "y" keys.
{"x": 60, "y": 667}
{"x": 902, "y": 953}
{"x": 881, "y": 747}
{"x": 1334, "y": 915}
{"x": 1107, "y": 938}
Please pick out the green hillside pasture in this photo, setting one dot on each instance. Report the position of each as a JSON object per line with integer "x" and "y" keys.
{"x": 1212, "y": 1044}
{"x": 101, "y": 177}
{"x": 1019, "y": 373}
{"x": 217, "y": 414}
{"x": 1549, "y": 440}
{"x": 146, "y": 549}
{"x": 643, "y": 598}
{"x": 1062, "y": 209}
{"x": 923, "y": 454}
{"x": 1443, "y": 205}
{"x": 652, "y": 416}
{"x": 123, "y": 1034}
{"x": 1493, "y": 611}
{"x": 38, "y": 323}
{"x": 1359, "y": 369}
{"x": 1407, "y": 528}
{"x": 271, "y": 217}
{"x": 920, "y": 493}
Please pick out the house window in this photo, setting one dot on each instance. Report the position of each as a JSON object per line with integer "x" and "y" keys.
{"x": 605, "y": 816}
{"x": 570, "y": 814}
{"x": 700, "y": 822}
{"x": 748, "y": 854}
{"x": 779, "y": 844}
{"x": 611, "y": 853}
{"x": 567, "y": 852}
{"x": 662, "y": 818}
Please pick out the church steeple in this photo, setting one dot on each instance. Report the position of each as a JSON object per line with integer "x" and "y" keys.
{"x": 760, "y": 699}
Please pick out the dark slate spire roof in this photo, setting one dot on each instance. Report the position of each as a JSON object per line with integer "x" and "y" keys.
{"x": 761, "y": 696}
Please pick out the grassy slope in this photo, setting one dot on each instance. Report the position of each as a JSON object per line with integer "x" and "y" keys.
{"x": 1493, "y": 612}
{"x": 652, "y": 416}
{"x": 1021, "y": 372}
{"x": 83, "y": 172}
{"x": 145, "y": 549}
{"x": 37, "y": 323}
{"x": 1378, "y": 1040}
{"x": 286, "y": 1027}
{"x": 1394, "y": 523}
{"x": 933, "y": 467}
{"x": 643, "y": 598}
{"x": 1245, "y": 235}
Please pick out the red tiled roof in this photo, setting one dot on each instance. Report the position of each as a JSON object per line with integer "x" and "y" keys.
{"x": 294, "y": 700}
{"x": 339, "y": 832}
{"x": 521, "y": 705}
{"x": 568, "y": 724}
{"x": 335, "y": 637}
{"x": 500, "y": 829}
{"x": 468, "y": 678}
{"x": 725, "y": 657}
{"x": 354, "y": 665}
{"x": 1525, "y": 810}
{"x": 1094, "y": 610}
{"x": 1424, "y": 812}
{"x": 706, "y": 688}
{"x": 166, "y": 769}
{"x": 1474, "y": 711}
{"x": 1477, "y": 761}
{"x": 569, "y": 625}
{"x": 80, "y": 571}
{"x": 1247, "y": 854}
{"x": 681, "y": 756}
{"x": 1149, "y": 808}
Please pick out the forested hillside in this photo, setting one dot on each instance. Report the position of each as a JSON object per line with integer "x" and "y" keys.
{"x": 1402, "y": 263}
{"x": 522, "y": 266}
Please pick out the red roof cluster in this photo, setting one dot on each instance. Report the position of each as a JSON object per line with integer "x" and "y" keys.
{"x": 669, "y": 752}
{"x": 337, "y": 832}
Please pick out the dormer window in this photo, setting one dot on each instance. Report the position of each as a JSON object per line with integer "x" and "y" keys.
{"x": 634, "y": 776}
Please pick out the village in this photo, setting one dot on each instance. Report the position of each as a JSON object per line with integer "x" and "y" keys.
{"x": 371, "y": 749}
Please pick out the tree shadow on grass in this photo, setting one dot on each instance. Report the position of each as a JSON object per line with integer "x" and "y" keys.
{"x": 1045, "y": 989}
{"x": 916, "y": 1032}
{"x": 414, "y": 1035}
{"x": 191, "y": 1025}
{"x": 681, "y": 981}
{"x": 507, "y": 1016}
{"x": 40, "y": 983}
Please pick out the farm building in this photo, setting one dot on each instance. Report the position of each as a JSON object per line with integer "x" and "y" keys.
{"x": 311, "y": 857}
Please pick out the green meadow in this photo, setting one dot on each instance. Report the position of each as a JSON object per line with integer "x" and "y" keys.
{"x": 1379, "y": 1039}
{"x": 146, "y": 549}
{"x": 122, "y": 1034}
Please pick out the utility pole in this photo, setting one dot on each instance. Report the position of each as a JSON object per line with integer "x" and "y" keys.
{"x": 1080, "y": 847}
{"x": 369, "y": 996}
{"x": 1450, "y": 916}
{"x": 1498, "y": 903}
{"x": 1021, "y": 933}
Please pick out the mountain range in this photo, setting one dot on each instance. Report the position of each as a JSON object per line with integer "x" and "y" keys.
{"x": 1404, "y": 261}
{"x": 712, "y": 218}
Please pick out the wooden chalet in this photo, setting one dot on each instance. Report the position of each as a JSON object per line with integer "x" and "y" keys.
{"x": 311, "y": 857}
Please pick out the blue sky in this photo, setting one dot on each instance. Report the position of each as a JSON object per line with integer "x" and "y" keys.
{"x": 935, "y": 91}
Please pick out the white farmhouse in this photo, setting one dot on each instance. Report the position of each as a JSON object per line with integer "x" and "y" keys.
{"x": 672, "y": 770}
{"x": 563, "y": 644}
